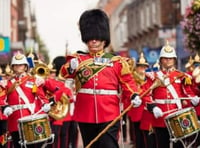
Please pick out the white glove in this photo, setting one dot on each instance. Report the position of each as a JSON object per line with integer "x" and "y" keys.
{"x": 46, "y": 108}
{"x": 3, "y": 83}
{"x": 151, "y": 75}
{"x": 136, "y": 101}
{"x": 195, "y": 100}
{"x": 74, "y": 63}
{"x": 39, "y": 81}
{"x": 157, "y": 112}
{"x": 8, "y": 111}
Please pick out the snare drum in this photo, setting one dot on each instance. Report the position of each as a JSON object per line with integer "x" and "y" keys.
{"x": 34, "y": 129}
{"x": 182, "y": 123}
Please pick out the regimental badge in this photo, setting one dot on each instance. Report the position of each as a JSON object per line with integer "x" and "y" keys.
{"x": 39, "y": 129}
{"x": 168, "y": 48}
{"x": 19, "y": 56}
{"x": 86, "y": 72}
{"x": 186, "y": 123}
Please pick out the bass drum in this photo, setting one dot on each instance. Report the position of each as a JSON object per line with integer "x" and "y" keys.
{"x": 182, "y": 123}
{"x": 34, "y": 129}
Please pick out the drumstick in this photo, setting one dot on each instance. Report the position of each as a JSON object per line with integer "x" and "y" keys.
{"x": 50, "y": 103}
{"x": 169, "y": 111}
{"x": 187, "y": 98}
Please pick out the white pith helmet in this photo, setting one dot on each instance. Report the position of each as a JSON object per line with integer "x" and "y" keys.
{"x": 167, "y": 51}
{"x": 19, "y": 59}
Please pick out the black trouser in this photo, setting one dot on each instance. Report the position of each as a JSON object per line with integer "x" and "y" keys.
{"x": 3, "y": 130}
{"x": 137, "y": 135}
{"x": 73, "y": 134}
{"x": 163, "y": 138}
{"x": 124, "y": 127}
{"x": 108, "y": 140}
{"x": 131, "y": 130}
{"x": 149, "y": 139}
{"x": 69, "y": 135}
{"x": 16, "y": 139}
{"x": 65, "y": 135}
{"x": 56, "y": 129}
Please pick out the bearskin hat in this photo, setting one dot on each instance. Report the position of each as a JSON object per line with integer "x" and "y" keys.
{"x": 58, "y": 62}
{"x": 94, "y": 24}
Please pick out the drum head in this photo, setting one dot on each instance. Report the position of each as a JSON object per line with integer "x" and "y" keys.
{"x": 32, "y": 117}
{"x": 179, "y": 112}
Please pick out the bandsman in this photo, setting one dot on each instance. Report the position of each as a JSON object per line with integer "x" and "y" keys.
{"x": 135, "y": 114}
{"x": 64, "y": 97}
{"x": 22, "y": 93}
{"x": 98, "y": 76}
{"x": 172, "y": 86}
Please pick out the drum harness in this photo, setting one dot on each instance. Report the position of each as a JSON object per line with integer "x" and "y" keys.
{"x": 171, "y": 89}
{"x": 27, "y": 104}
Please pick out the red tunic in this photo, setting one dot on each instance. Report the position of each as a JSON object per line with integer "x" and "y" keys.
{"x": 2, "y": 102}
{"x": 99, "y": 108}
{"x": 135, "y": 113}
{"x": 147, "y": 117}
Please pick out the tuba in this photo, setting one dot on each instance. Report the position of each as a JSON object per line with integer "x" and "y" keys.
{"x": 61, "y": 108}
{"x": 41, "y": 70}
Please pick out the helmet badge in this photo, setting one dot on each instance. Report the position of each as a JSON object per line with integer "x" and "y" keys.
{"x": 168, "y": 48}
{"x": 19, "y": 56}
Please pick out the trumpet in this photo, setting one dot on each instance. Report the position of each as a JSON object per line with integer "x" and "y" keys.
{"x": 41, "y": 70}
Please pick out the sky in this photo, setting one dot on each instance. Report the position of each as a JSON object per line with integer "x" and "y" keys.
{"x": 57, "y": 23}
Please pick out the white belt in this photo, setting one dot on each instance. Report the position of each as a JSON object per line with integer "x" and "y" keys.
{"x": 98, "y": 91}
{"x": 166, "y": 101}
{"x": 22, "y": 106}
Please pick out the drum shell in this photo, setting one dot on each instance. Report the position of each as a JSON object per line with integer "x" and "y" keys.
{"x": 182, "y": 123}
{"x": 34, "y": 129}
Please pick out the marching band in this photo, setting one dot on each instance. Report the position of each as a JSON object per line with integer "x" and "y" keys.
{"x": 47, "y": 105}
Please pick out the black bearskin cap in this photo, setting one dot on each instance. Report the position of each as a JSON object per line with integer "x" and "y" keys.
{"x": 94, "y": 24}
{"x": 58, "y": 62}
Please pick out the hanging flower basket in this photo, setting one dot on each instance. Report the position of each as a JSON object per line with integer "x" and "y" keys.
{"x": 191, "y": 27}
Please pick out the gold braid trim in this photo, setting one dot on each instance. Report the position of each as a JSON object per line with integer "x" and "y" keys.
{"x": 77, "y": 84}
{"x": 187, "y": 81}
{"x": 125, "y": 65}
{"x": 186, "y": 78}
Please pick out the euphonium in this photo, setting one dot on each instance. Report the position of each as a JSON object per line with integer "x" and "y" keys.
{"x": 41, "y": 70}
{"x": 61, "y": 108}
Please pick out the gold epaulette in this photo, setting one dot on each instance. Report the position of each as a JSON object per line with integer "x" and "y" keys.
{"x": 187, "y": 81}
{"x": 125, "y": 65}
